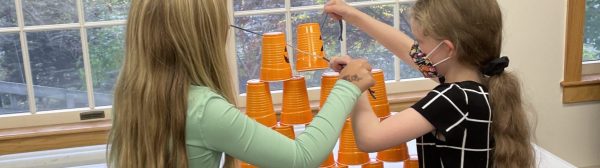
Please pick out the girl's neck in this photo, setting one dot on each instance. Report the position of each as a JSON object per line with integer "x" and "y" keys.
{"x": 461, "y": 73}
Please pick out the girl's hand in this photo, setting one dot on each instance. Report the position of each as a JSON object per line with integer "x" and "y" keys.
{"x": 358, "y": 71}
{"x": 338, "y": 63}
{"x": 338, "y": 9}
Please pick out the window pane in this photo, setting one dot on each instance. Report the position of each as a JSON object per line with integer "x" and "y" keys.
{"x": 38, "y": 12}
{"x": 8, "y": 16}
{"x": 13, "y": 91}
{"x": 102, "y": 10}
{"x": 57, "y": 69}
{"x": 106, "y": 47}
{"x": 591, "y": 46}
{"x": 407, "y": 72}
{"x": 248, "y": 46}
{"x": 308, "y": 2}
{"x": 362, "y": 0}
{"x": 331, "y": 33}
{"x": 361, "y": 45}
{"x": 241, "y": 5}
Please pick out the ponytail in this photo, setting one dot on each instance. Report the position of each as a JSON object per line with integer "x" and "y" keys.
{"x": 510, "y": 126}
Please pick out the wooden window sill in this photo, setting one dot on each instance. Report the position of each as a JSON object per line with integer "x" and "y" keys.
{"x": 588, "y": 89}
{"x": 19, "y": 140}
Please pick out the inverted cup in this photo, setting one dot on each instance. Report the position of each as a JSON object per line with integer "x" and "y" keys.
{"x": 348, "y": 153}
{"x": 245, "y": 165}
{"x": 412, "y": 162}
{"x": 379, "y": 104}
{"x": 259, "y": 104}
{"x": 394, "y": 154}
{"x": 275, "y": 64}
{"x": 328, "y": 80}
{"x": 295, "y": 109}
{"x": 330, "y": 162}
{"x": 286, "y": 130}
{"x": 310, "y": 42}
{"x": 373, "y": 164}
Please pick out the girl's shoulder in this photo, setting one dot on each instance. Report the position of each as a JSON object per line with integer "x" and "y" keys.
{"x": 463, "y": 85}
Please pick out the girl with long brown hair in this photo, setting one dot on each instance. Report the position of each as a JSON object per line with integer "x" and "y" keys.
{"x": 475, "y": 117}
{"x": 174, "y": 106}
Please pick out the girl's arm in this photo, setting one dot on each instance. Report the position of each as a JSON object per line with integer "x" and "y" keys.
{"x": 222, "y": 127}
{"x": 372, "y": 135}
{"x": 391, "y": 38}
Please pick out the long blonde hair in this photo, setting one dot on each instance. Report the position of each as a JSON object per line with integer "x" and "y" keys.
{"x": 475, "y": 28}
{"x": 170, "y": 45}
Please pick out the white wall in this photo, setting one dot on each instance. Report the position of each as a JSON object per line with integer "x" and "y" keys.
{"x": 535, "y": 42}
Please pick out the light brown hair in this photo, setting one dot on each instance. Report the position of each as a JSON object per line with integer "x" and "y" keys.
{"x": 170, "y": 45}
{"x": 475, "y": 28}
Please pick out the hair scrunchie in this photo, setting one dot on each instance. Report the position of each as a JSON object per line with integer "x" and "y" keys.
{"x": 496, "y": 66}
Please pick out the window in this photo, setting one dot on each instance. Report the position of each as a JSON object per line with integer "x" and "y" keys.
{"x": 285, "y": 16}
{"x": 58, "y": 56}
{"x": 582, "y": 66}
{"x": 591, "y": 45}
{"x": 62, "y": 57}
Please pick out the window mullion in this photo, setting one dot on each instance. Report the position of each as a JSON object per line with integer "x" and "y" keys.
{"x": 289, "y": 34}
{"x": 397, "y": 71}
{"x": 25, "y": 54}
{"x": 231, "y": 51}
{"x": 87, "y": 67}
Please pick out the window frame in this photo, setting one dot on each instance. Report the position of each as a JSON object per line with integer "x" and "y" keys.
{"x": 63, "y": 116}
{"x": 396, "y": 86}
{"x": 578, "y": 86}
{"x": 57, "y": 129}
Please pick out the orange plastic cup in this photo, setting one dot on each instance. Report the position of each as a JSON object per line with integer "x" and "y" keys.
{"x": 330, "y": 162}
{"x": 336, "y": 166}
{"x": 295, "y": 109}
{"x": 413, "y": 162}
{"x": 245, "y": 165}
{"x": 259, "y": 105}
{"x": 349, "y": 154}
{"x": 373, "y": 164}
{"x": 328, "y": 80}
{"x": 394, "y": 154}
{"x": 310, "y": 43}
{"x": 287, "y": 130}
{"x": 275, "y": 63}
{"x": 380, "y": 105}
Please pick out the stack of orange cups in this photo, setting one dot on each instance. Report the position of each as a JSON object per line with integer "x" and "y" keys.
{"x": 311, "y": 44}
{"x": 259, "y": 105}
{"x": 295, "y": 109}
{"x": 328, "y": 80}
{"x": 275, "y": 63}
{"x": 380, "y": 104}
{"x": 329, "y": 163}
{"x": 373, "y": 164}
{"x": 395, "y": 154}
{"x": 286, "y": 130}
{"x": 413, "y": 162}
{"x": 348, "y": 153}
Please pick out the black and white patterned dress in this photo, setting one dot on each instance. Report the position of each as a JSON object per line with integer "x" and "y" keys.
{"x": 461, "y": 115}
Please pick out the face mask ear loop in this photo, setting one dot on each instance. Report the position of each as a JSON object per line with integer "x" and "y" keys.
{"x": 434, "y": 49}
{"x": 445, "y": 59}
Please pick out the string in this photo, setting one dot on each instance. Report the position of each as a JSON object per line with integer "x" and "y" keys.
{"x": 289, "y": 45}
{"x": 371, "y": 92}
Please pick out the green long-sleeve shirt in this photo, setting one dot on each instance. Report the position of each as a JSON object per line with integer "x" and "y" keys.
{"x": 214, "y": 126}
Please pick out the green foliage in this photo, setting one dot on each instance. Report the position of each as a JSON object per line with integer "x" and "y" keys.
{"x": 592, "y": 31}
